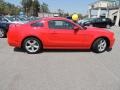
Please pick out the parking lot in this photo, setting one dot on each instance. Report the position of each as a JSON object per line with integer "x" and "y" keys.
{"x": 60, "y": 70}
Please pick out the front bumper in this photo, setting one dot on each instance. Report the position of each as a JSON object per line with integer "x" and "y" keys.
{"x": 112, "y": 43}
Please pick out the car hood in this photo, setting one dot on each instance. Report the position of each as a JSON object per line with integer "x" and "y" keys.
{"x": 99, "y": 30}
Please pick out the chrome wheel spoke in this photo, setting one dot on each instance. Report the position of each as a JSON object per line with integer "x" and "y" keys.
{"x": 29, "y": 42}
{"x": 34, "y": 42}
{"x": 32, "y": 49}
{"x": 35, "y": 46}
{"x": 102, "y": 45}
{"x": 28, "y": 47}
{"x": 32, "y": 45}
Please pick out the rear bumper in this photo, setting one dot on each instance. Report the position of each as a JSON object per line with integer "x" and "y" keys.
{"x": 13, "y": 39}
{"x": 14, "y": 43}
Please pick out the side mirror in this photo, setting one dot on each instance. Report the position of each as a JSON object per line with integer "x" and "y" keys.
{"x": 76, "y": 28}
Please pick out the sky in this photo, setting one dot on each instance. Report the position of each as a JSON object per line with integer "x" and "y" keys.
{"x": 71, "y": 6}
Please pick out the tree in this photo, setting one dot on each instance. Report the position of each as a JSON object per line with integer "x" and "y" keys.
{"x": 31, "y": 7}
{"x": 44, "y": 8}
{"x": 36, "y": 7}
{"x": 27, "y": 5}
{"x": 61, "y": 12}
{"x": 7, "y": 8}
{"x": 80, "y": 15}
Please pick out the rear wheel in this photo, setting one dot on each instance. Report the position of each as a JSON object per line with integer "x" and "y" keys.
{"x": 32, "y": 45}
{"x": 99, "y": 45}
{"x": 2, "y": 33}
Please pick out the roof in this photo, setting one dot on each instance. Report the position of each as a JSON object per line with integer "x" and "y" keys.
{"x": 54, "y": 18}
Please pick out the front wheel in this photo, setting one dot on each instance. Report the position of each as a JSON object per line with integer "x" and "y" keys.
{"x": 99, "y": 45}
{"x": 32, "y": 45}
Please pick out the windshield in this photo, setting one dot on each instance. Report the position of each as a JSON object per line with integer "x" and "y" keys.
{"x": 22, "y": 19}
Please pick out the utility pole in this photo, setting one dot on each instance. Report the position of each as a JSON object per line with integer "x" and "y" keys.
{"x": 118, "y": 15}
{"x": 33, "y": 7}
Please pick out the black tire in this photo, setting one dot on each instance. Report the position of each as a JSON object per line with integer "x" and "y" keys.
{"x": 96, "y": 45}
{"x": 2, "y": 33}
{"x": 32, "y": 40}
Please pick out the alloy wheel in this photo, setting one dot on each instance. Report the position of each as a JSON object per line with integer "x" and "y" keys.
{"x": 102, "y": 45}
{"x": 32, "y": 46}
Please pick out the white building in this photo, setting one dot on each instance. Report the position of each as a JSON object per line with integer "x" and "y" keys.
{"x": 111, "y": 9}
{"x": 48, "y": 15}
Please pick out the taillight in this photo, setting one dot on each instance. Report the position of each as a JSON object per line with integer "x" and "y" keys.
{"x": 12, "y": 25}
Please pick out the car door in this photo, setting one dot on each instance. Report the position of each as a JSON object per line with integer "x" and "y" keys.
{"x": 104, "y": 22}
{"x": 62, "y": 34}
{"x": 97, "y": 22}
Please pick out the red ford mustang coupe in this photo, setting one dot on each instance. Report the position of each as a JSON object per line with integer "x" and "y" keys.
{"x": 59, "y": 33}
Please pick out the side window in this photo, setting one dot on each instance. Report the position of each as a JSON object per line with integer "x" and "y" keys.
{"x": 37, "y": 24}
{"x": 60, "y": 24}
{"x": 99, "y": 20}
{"x": 93, "y": 20}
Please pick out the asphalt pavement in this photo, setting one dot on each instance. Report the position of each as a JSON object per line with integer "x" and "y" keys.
{"x": 60, "y": 70}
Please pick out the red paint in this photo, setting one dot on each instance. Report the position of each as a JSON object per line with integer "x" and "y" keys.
{"x": 60, "y": 38}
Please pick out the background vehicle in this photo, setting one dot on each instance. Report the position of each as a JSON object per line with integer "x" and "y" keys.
{"x": 58, "y": 33}
{"x": 5, "y": 21}
{"x": 97, "y": 22}
{"x": 21, "y": 19}
{"x": 32, "y": 18}
{"x": 4, "y": 26}
{"x": 12, "y": 20}
{"x": 69, "y": 17}
{"x": 81, "y": 22}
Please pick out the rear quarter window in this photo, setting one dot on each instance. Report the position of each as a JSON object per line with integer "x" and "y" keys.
{"x": 37, "y": 24}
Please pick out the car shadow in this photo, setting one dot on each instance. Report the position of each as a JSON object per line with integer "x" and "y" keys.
{"x": 55, "y": 50}
{"x": 19, "y": 50}
{"x": 66, "y": 51}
